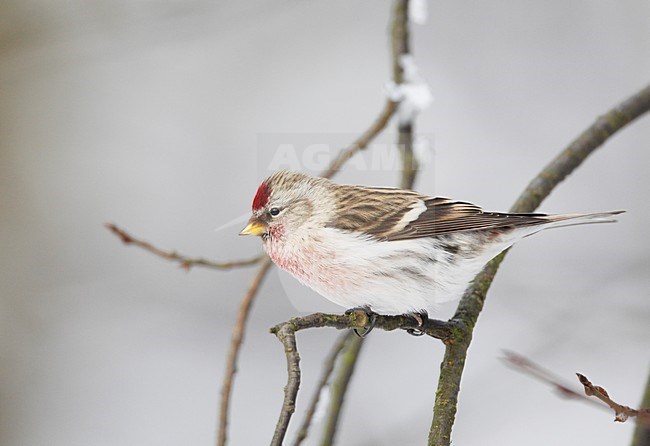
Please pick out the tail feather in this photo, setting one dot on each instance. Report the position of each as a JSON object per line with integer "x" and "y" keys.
{"x": 564, "y": 220}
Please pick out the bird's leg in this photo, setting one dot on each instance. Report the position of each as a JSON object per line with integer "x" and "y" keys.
{"x": 372, "y": 318}
{"x": 420, "y": 317}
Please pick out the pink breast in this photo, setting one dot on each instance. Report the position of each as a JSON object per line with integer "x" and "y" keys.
{"x": 315, "y": 268}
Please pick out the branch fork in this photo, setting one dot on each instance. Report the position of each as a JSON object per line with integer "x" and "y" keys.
{"x": 357, "y": 318}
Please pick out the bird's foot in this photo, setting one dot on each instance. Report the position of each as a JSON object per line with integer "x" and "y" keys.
{"x": 421, "y": 318}
{"x": 362, "y": 332}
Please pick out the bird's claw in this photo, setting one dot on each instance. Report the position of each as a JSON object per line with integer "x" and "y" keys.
{"x": 362, "y": 332}
{"x": 420, "y": 317}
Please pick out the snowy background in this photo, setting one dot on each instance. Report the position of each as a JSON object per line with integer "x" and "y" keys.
{"x": 156, "y": 115}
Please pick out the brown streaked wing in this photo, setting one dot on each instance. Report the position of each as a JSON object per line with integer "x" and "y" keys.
{"x": 444, "y": 216}
{"x": 372, "y": 211}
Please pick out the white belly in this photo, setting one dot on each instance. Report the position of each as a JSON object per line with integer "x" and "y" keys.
{"x": 395, "y": 277}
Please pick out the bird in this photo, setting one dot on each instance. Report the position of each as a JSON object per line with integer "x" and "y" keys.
{"x": 387, "y": 251}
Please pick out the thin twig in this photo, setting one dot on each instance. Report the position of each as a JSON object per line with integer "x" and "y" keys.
{"x": 623, "y": 413}
{"x": 287, "y": 335}
{"x": 528, "y": 367}
{"x": 471, "y": 304}
{"x": 184, "y": 261}
{"x": 534, "y": 370}
{"x": 235, "y": 346}
{"x": 409, "y": 161}
{"x": 340, "y": 385}
{"x": 328, "y": 368}
{"x": 400, "y": 39}
{"x": 401, "y": 44}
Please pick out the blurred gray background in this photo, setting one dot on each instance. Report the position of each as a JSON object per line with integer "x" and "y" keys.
{"x": 147, "y": 113}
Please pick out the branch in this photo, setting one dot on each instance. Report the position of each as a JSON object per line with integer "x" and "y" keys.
{"x": 235, "y": 346}
{"x": 340, "y": 385}
{"x": 285, "y": 332}
{"x": 409, "y": 161}
{"x": 360, "y": 319}
{"x": 622, "y": 412}
{"x": 472, "y": 302}
{"x": 401, "y": 47}
{"x": 328, "y": 368}
{"x": 184, "y": 262}
{"x": 534, "y": 370}
{"x": 528, "y": 367}
{"x": 287, "y": 335}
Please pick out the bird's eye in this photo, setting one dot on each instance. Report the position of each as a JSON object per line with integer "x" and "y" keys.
{"x": 274, "y": 212}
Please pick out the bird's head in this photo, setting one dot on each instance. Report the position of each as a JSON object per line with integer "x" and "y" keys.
{"x": 285, "y": 203}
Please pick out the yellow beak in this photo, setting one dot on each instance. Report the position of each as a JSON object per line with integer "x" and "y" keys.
{"x": 254, "y": 227}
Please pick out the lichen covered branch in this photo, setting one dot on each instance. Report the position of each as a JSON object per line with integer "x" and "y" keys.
{"x": 360, "y": 319}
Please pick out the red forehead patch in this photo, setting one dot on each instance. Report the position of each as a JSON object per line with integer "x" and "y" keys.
{"x": 261, "y": 197}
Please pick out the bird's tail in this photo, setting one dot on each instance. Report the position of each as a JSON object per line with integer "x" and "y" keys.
{"x": 564, "y": 220}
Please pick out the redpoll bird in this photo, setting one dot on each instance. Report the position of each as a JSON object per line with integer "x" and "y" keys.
{"x": 390, "y": 251}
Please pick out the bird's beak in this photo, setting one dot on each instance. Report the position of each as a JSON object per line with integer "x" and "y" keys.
{"x": 254, "y": 227}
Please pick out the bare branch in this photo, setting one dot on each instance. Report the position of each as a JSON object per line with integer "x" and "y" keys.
{"x": 409, "y": 161}
{"x": 184, "y": 261}
{"x": 528, "y": 367}
{"x": 340, "y": 385}
{"x": 328, "y": 368}
{"x": 355, "y": 319}
{"x": 400, "y": 34}
{"x": 400, "y": 38}
{"x": 235, "y": 346}
{"x": 287, "y": 335}
{"x": 622, "y": 412}
{"x": 473, "y": 299}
